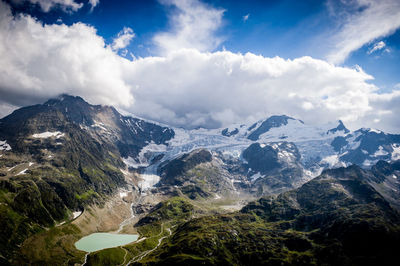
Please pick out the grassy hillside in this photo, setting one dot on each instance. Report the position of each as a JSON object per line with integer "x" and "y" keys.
{"x": 335, "y": 219}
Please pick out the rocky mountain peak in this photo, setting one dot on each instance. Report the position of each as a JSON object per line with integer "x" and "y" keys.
{"x": 266, "y": 125}
{"x": 340, "y": 127}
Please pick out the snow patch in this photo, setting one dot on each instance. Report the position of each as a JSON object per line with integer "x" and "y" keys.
{"x": 217, "y": 196}
{"x": 374, "y": 130}
{"x": 4, "y": 145}
{"x": 286, "y": 156}
{"x": 354, "y": 145}
{"x": 296, "y": 131}
{"x": 22, "y": 172}
{"x": 308, "y": 174}
{"x": 99, "y": 125}
{"x": 394, "y": 176}
{"x": 232, "y": 153}
{"x": 48, "y": 134}
{"x": 123, "y": 194}
{"x": 369, "y": 162}
{"x": 331, "y": 160}
{"x": 76, "y": 214}
{"x": 30, "y": 164}
{"x": 380, "y": 152}
{"x": 148, "y": 181}
{"x": 145, "y": 155}
{"x": 129, "y": 161}
{"x": 255, "y": 176}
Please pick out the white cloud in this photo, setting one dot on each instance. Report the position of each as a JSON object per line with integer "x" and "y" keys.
{"x": 362, "y": 21}
{"x": 47, "y": 5}
{"x": 40, "y": 61}
{"x": 377, "y": 46}
{"x": 93, "y": 4}
{"x": 123, "y": 39}
{"x": 246, "y": 17}
{"x": 385, "y": 111}
{"x": 213, "y": 89}
{"x": 193, "y": 25}
{"x": 186, "y": 87}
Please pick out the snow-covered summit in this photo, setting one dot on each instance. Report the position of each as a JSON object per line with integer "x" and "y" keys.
{"x": 323, "y": 146}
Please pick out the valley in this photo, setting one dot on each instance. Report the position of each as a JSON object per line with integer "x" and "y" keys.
{"x": 277, "y": 191}
{"x": 199, "y": 132}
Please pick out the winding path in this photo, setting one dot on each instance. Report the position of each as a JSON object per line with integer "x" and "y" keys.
{"x": 145, "y": 253}
{"x": 126, "y": 253}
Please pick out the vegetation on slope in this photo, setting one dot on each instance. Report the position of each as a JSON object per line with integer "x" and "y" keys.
{"x": 154, "y": 226}
{"x": 335, "y": 219}
{"x": 43, "y": 179}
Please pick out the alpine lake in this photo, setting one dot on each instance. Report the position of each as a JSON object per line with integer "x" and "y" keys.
{"x": 98, "y": 241}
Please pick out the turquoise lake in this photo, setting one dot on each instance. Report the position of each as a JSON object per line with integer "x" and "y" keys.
{"x": 99, "y": 241}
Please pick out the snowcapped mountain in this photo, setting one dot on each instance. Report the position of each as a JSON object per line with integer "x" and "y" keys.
{"x": 144, "y": 145}
{"x": 325, "y": 146}
{"x": 104, "y": 123}
{"x": 293, "y": 151}
{"x": 59, "y": 157}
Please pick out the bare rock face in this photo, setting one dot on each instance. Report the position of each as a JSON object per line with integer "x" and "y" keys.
{"x": 172, "y": 170}
{"x": 142, "y": 208}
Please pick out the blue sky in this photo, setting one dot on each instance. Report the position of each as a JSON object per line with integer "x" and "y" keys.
{"x": 349, "y": 47}
{"x": 284, "y": 28}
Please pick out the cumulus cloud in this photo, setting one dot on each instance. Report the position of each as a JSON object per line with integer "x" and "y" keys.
{"x": 123, "y": 39}
{"x": 193, "y": 25}
{"x": 40, "y": 61}
{"x": 186, "y": 87}
{"x": 385, "y": 109}
{"x": 213, "y": 89}
{"x": 189, "y": 88}
{"x": 47, "y": 5}
{"x": 362, "y": 21}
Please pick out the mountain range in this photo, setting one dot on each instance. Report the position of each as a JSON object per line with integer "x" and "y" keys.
{"x": 275, "y": 192}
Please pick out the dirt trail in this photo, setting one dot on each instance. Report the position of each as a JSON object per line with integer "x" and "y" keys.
{"x": 126, "y": 254}
{"x": 147, "y": 252}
